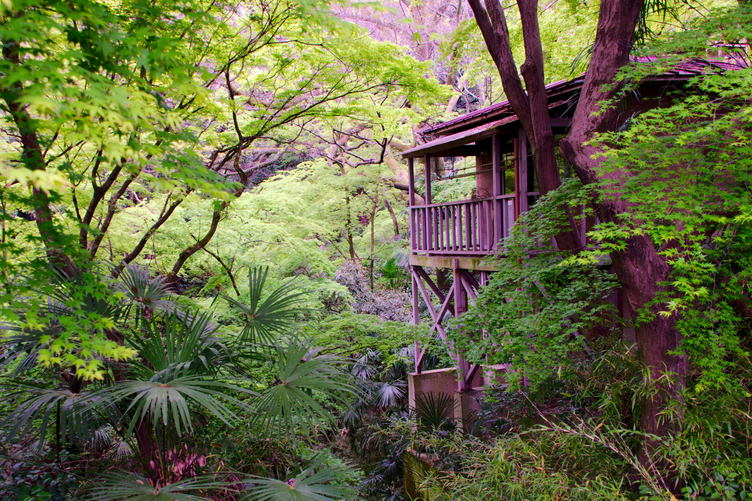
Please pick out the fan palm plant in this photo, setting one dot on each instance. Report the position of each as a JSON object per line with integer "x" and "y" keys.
{"x": 435, "y": 410}
{"x": 314, "y": 483}
{"x": 142, "y": 291}
{"x": 183, "y": 375}
{"x": 38, "y": 406}
{"x": 274, "y": 315}
{"x": 302, "y": 379}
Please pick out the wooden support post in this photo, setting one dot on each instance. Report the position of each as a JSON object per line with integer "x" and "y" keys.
{"x": 498, "y": 190}
{"x": 460, "y": 307}
{"x": 411, "y": 182}
{"x": 416, "y": 318}
{"x": 484, "y": 275}
{"x": 411, "y": 198}
{"x": 428, "y": 226}
{"x": 428, "y": 178}
{"x": 521, "y": 181}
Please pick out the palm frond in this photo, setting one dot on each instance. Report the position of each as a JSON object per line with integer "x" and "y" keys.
{"x": 172, "y": 398}
{"x": 125, "y": 486}
{"x": 275, "y": 315}
{"x": 364, "y": 367}
{"x": 291, "y": 404}
{"x": 389, "y": 394}
{"x": 315, "y": 483}
{"x": 143, "y": 290}
{"x": 24, "y": 348}
{"x": 181, "y": 341}
{"x": 103, "y": 438}
{"x": 434, "y": 410}
{"x": 40, "y": 407}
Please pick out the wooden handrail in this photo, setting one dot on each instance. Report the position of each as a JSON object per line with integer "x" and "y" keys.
{"x": 472, "y": 200}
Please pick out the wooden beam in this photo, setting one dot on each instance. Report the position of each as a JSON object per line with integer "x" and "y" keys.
{"x": 468, "y": 289}
{"x": 468, "y": 379}
{"x": 445, "y": 306}
{"x": 459, "y": 151}
{"x": 416, "y": 318}
{"x": 429, "y": 305}
{"x": 471, "y": 278}
{"x": 465, "y": 262}
{"x": 427, "y": 300}
{"x": 422, "y": 273}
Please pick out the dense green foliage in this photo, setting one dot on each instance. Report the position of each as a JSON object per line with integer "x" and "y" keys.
{"x": 216, "y": 141}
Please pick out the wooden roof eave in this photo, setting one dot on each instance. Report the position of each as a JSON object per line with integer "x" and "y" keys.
{"x": 461, "y": 144}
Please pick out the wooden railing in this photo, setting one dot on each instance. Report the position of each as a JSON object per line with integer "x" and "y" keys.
{"x": 468, "y": 227}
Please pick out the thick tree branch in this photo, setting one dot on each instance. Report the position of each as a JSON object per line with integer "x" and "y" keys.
{"x": 163, "y": 217}
{"x": 199, "y": 245}
{"x": 111, "y": 210}
{"x": 493, "y": 27}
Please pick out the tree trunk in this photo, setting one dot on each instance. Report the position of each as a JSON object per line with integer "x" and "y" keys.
{"x": 639, "y": 268}
{"x": 531, "y": 107}
{"x": 32, "y": 157}
{"x": 389, "y": 208}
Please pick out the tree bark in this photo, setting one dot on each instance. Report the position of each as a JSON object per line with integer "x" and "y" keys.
{"x": 531, "y": 107}
{"x": 200, "y": 244}
{"x": 639, "y": 268}
{"x": 32, "y": 157}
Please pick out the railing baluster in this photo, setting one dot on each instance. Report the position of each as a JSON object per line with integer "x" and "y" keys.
{"x": 461, "y": 220}
{"x": 434, "y": 240}
{"x": 481, "y": 227}
{"x": 440, "y": 210}
{"x": 468, "y": 226}
{"x": 484, "y": 225}
{"x": 489, "y": 224}
{"x": 448, "y": 227}
{"x": 473, "y": 226}
{"x": 454, "y": 227}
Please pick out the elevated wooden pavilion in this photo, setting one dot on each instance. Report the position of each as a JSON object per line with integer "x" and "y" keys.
{"x": 454, "y": 237}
